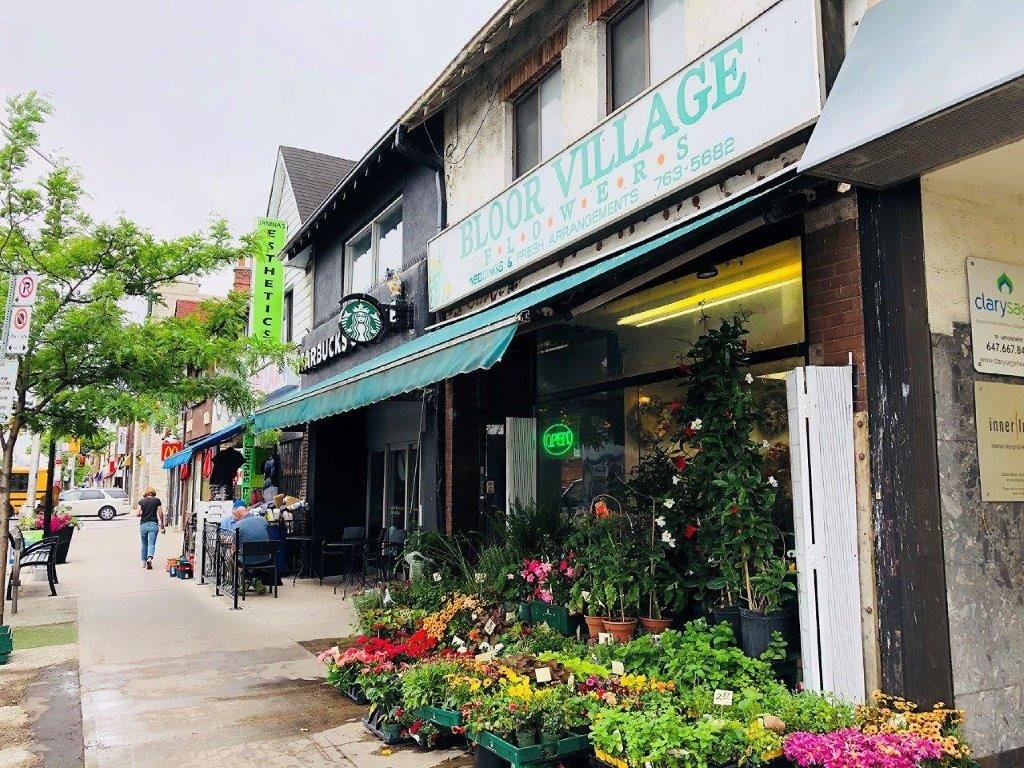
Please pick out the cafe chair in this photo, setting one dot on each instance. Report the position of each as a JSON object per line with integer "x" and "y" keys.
{"x": 253, "y": 549}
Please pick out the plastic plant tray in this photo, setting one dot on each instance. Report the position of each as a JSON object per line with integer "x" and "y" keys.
{"x": 557, "y": 617}
{"x": 533, "y": 755}
{"x": 356, "y": 694}
{"x": 372, "y": 728}
{"x": 449, "y": 718}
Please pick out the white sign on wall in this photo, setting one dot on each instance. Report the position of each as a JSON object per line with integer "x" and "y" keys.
{"x": 8, "y": 379}
{"x": 760, "y": 85}
{"x": 996, "y": 292}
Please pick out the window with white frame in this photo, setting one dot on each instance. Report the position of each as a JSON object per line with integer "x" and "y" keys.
{"x": 376, "y": 249}
{"x": 538, "y": 122}
{"x": 645, "y": 46}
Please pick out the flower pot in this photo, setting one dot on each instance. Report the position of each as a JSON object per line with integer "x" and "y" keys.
{"x": 526, "y": 738}
{"x": 622, "y": 631}
{"x": 548, "y": 743}
{"x": 525, "y": 613}
{"x": 595, "y": 625}
{"x": 757, "y": 629}
{"x": 557, "y": 617}
{"x": 729, "y": 614}
{"x": 63, "y": 543}
{"x": 654, "y": 626}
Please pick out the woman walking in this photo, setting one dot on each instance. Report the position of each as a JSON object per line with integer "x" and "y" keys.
{"x": 151, "y": 515}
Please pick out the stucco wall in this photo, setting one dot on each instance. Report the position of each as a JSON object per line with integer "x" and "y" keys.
{"x": 478, "y": 128}
{"x": 973, "y": 209}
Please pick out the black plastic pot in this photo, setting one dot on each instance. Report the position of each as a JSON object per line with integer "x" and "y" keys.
{"x": 63, "y": 543}
{"x": 757, "y": 629}
{"x": 729, "y": 615}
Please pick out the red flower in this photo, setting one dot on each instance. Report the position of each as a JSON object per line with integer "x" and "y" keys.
{"x": 691, "y": 531}
{"x": 734, "y": 510}
{"x": 680, "y": 462}
{"x": 689, "y": 431}
{"x": 415, "y": 727}
{"x": 674, "y": 406}
{"x": 601, "y": 510}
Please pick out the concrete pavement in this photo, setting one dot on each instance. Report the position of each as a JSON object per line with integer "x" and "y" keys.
{"x": 169, "y": 674}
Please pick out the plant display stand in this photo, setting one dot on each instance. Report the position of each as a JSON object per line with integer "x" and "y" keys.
{"x": 6, "y": 642}
{"x": 538, "y": 754}
{"x": 555, "y": 616}
{"x": 383, "y": 732}
{"x": 447, "y": 718}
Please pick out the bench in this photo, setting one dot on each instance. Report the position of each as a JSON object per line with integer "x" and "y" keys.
{"x": 42, "y": 554}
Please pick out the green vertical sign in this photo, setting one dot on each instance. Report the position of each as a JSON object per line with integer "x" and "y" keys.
{"x": 268, "y": 279}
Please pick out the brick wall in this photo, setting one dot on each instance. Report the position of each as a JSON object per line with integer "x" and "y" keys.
{"x": 832, "y": 277}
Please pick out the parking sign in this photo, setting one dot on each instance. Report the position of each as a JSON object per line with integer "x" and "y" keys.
{"x": 25, "y": 288}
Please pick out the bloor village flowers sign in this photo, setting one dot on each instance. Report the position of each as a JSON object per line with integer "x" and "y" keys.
{"x": 758, "y": 86}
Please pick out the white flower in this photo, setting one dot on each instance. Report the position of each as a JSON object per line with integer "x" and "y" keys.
{"x": 511, "y": 576}
{"x": 696, "y": 424}
{"x": 669, "y": 503}
{"x": 773, "y": 482}
{"x": 666, "y": 536}
{"x": 497, "y": 648}
{"x": 765, "y": 444}
{"x": 749, "y": 379}
{"x": 676, "y": 479}
{"x": 660, "y": 521}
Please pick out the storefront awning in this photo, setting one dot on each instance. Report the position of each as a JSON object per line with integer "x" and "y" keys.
{"x": 183, "y": 456}
{"x": 472, "y": 343}
{"x": 925, "y": 83}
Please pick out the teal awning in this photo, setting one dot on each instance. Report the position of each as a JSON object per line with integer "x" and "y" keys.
{"x": 472, "y": 343}
{"x": 182, "y": 456}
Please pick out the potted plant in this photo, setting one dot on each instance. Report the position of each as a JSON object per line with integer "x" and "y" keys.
{"x": 771, "y": 585}
{"x": 62, "y": 526}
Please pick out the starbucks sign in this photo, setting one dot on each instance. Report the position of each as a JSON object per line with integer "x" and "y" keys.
{"x": 361, "y": 318}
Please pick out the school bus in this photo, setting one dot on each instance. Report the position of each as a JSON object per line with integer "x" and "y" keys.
{"x": 19, "y": 486}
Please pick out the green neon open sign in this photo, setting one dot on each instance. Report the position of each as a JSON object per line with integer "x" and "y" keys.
{"x": 558, "y": 440}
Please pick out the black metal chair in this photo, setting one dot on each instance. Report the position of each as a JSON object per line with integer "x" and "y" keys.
{"x": 257, "y": 549}
{"x": 42, "y": 554}
{"x": 349, "y": 548}
{"x": 385, "y": 555}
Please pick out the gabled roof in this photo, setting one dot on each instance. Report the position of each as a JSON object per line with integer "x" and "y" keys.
{"x": 313, "y": 176}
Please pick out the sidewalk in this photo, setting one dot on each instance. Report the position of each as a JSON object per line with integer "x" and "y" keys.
{"x": 170, "y": 674}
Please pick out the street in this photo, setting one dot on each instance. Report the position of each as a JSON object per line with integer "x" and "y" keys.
{"x": 168, "y": 672}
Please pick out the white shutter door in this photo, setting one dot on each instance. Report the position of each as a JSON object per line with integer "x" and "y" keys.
{"x": 825, "y": 517}
{"x": 520, "y": 461}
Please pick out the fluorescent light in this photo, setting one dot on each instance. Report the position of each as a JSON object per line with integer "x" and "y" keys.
{"x": 761, "y": 282}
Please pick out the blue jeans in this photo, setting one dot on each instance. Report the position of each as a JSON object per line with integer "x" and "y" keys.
{"x": 148, "y": 532}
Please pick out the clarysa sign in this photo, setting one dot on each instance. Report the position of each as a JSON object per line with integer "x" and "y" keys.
{"x": 761, "y": 85}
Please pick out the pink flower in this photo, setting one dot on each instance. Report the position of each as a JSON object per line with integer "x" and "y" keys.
{"x": 849, "y": 748}
{"x": 545, "y": 595}
{"x": 530, "y": 578}
{"x": 570, "y": 572}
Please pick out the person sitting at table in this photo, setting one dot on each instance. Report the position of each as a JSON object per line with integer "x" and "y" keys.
{"x": 251, "y": 528}
{"x": 228, "y": 522}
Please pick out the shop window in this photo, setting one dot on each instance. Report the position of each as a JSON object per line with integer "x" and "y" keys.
{"x": 538, "y": 122}
{"x": 375, "y": 250}
{"x": 288, "y": 312}
{"x": 290, "y": 454}
{"x": 644, "y": 332}
{"x": 645, "y": 46}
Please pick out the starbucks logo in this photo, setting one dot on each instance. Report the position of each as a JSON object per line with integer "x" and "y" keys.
{"x": 361, "y": 319}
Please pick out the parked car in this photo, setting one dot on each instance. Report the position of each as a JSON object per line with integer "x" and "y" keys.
{"x": 104, "y": 503}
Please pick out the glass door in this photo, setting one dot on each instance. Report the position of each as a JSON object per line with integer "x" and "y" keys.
{"x": 397, "y": 492}
{"x": 375, "y": 495}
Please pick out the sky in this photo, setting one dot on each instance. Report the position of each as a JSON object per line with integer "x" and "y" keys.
{"x": 173, "y": 112}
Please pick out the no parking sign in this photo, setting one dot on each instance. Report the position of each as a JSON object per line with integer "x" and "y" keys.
{"x": 21, "y": 296}
{"x": 17, "y": 331}
{"x": 25, "y": 287}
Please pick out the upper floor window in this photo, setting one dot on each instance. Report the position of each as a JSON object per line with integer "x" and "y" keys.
{"x": 645, "y": 46}
{"x": 376, "y": 249}
{"x": 538, "y": 122}
{"x": 289, "y": 314}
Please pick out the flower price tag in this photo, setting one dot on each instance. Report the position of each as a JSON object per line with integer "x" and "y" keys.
{"x": 603, "y": 638}
{"x": 618, "y": 668}
{"x": 571, "y": 682}
{"x": 489, "y": 627}
{"x": 437, "y": 577}
{"x": 480, "y": 577}
{"x": 484, "y": 657}
{"x": 457, "y": 641}
{"x": 723, "y": 698}
{"x": 387, "y": 597}
{"x": 510, "y": 617}
{"x": 542, "y": 674}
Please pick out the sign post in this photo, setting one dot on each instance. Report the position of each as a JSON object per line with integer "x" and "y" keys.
{"x": 268, "y": 280}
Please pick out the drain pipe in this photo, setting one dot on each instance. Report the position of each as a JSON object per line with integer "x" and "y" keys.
{"x": 428, "y": 160}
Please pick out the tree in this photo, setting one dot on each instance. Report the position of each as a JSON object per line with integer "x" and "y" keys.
{"x": 88, "y": 359}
